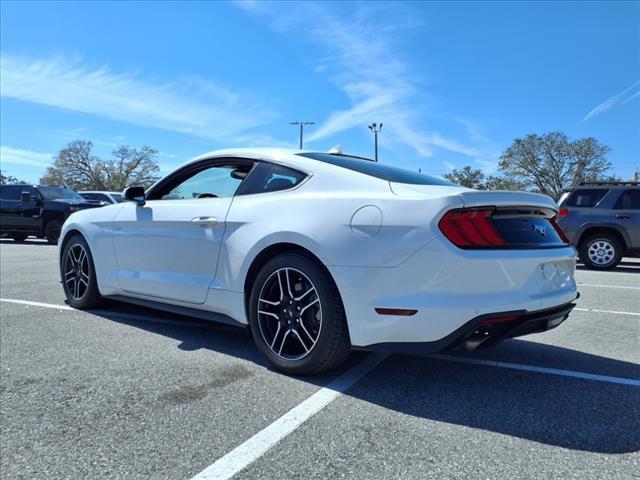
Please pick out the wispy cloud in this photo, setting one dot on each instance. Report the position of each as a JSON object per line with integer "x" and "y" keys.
{"x": 18, "y": 156}
{"x": 191, "y": 105}
{"x": 358, "y": 54}
{"x": 626, "y": 96}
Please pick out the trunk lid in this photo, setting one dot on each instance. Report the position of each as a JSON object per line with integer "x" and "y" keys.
{"x": 493, "y": 219}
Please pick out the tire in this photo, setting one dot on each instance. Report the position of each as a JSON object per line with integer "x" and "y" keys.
{"x": 600, "y": 252}
{"x": 52, "y": 231}
{"x": 18, "y": 237}
{"x": 310, "y": 334}
{"x": 78, "y": 275}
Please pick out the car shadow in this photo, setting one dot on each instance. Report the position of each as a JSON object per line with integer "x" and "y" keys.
{"x": 586, "y": 415}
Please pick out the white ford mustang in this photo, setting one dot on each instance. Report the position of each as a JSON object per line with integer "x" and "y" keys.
{"x": 319, "y": 253}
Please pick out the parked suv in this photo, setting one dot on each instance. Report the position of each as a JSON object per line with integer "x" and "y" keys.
{"x": 38, "y": 210}
{"x": 602, "y": 220}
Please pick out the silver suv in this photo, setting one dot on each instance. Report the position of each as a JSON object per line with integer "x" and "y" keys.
{"x": 602, "y": 220}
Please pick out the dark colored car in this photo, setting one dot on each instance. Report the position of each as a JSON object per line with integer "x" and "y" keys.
{"x": 37, "y": 210}
{"x": 602, "y": 220}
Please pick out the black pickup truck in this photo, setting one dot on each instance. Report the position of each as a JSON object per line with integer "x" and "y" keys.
{"x": 37, "y": 210}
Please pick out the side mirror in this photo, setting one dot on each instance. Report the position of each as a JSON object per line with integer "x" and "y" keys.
{"x": 134, "y": 194}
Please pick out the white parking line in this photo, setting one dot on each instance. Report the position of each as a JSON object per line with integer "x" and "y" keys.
{"x": 607, "y": 286}
{"x": 109, "y": 313}
{"x": 36, "y": 304}
{"x": 245, "y": 454}
{"x": 595, "y": 310}
{"x": 533, "y": 368}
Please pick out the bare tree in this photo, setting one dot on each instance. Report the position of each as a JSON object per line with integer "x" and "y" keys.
{"x": 551, "y": 163}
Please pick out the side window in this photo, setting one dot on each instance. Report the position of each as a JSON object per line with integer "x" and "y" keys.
{"x": 269, "y": 177}
{"x": 629, "y": 200}
{"x": 88, "y": 196}
{"x": 586, "y": 197}
{"x": 11, "y": 192}
{"x": 30, "y": 190}
{"x": 102, "y": 197}
{"x": 212, "y": 182}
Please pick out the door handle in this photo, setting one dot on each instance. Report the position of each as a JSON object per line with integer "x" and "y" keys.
{"x": 204, "y": 220}
{"x": 624, "y": 217}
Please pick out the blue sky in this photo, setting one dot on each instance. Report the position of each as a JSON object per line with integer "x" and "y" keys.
{"x": 454, "y": 83}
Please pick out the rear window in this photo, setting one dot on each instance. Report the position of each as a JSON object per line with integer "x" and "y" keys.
{"x": 629, "y": 200}
{"x": 378, "y": 170}
{"x": 11, "y": 192}
{"x": 586, "y": 197}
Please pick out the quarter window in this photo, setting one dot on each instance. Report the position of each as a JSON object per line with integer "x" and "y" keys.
{"x": 270, "y": 177}
{"x": 629, "y": 200}
{"x": 587, "y": 197}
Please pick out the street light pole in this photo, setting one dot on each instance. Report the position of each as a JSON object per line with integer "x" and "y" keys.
{"x": 375, "y": 129}
{"x": 302, "y": 124}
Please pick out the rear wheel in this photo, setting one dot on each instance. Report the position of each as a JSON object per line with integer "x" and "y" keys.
{"x": 600, "y": 252}
{"x": 52, "y": 231}
{"x": 78, "y": 275}
{"x": 296, "y": 316}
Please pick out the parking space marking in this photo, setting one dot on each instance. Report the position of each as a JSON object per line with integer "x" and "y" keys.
{"x": 36, "y": 304}
{"x": 607, "y": 286}
{"x": 595, "y": 310}
{"x": 535, "y": 369}
{"x": 110, "y": 313}
{"x": 245, "y": 454}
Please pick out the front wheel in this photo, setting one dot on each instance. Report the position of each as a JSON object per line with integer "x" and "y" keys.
{"x": 296, "y": 316}
{"x": 600, "y": 252}
{"x": 52, "y": 231}
{"x": 79, "y": 275}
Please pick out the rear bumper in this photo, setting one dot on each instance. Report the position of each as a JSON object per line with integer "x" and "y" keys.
{"x": 485, "y": 331}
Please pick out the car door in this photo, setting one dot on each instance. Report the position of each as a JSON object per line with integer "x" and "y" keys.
{"x": 11, "y": 208}
{"x": 32, "y": 210}
{"x": 168, "y": 248}
{"x": 626, "y": 215}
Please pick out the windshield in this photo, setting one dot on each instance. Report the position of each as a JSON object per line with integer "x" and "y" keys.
{"x": 57, "y": 193}
{"x": 378, "y": 170}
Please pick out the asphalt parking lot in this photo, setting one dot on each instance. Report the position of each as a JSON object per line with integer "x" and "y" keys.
{"x": 133, "y": 393}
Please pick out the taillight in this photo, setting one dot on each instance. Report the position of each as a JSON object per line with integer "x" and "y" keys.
{"x": 563, "y": 212}
{"x": 469, "y": 228}
{"x": 558, "y": 230}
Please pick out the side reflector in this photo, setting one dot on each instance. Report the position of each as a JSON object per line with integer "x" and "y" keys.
{"x": 396, "y": 311}
{"x": 563, "y": 212}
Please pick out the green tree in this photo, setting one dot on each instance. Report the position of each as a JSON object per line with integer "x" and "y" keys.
{"x": 131, "y": 166}
{"x": 78, "y": 168}
{"x": 551, "y": 163}
{"x": 467, "y": 177}
{"x": 473, "y": 178}
{"x": 10, "y": 180}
